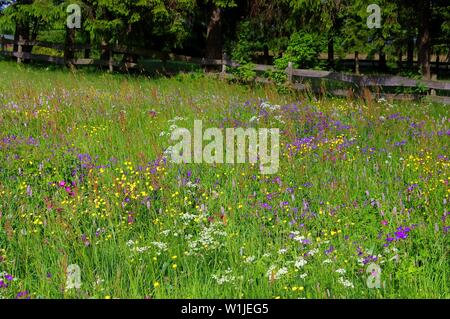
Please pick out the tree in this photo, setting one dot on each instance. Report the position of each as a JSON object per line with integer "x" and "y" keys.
{"x": 424, "y": 43}
{"x": 359, "y": 37}
{"x": 215, "y": 10}
{"x": 26, "y": 18}
{"x": 321, "y": 16}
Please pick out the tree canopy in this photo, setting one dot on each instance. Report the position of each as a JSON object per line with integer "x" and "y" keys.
{"x": 248, "y": 30}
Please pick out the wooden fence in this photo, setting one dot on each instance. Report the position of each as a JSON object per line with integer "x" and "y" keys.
{"x": 359, "y": 84}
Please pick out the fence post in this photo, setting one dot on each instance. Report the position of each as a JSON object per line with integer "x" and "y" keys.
{"x": 224, "y": 63}
{"x": 110, "y": 59}
{"x": 19, "y": 49}
{"x": 1, "y": 45}
{"x": 290, "y": 71}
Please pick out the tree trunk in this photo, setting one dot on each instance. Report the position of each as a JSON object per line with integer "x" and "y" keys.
{"x": 69, "y": 47}
{"x": 214, "y": 35}
{"x": 382, "y": 62}
{"x": 87, "y": 52}
{"x": 437, "y": 65}
{"x": 266, "y": 55}
{"x": 331, "y": 51}
{"x": 357, "y": 62}
{"x": 104, "y": 53}
{"x": 410, "y": 53}
{"x": 425, "y": 39}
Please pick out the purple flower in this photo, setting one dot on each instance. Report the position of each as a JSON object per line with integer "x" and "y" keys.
{"x": 29, "y": 191}
{"x": 23, "y": 295}
{"x": 369, "y": 259}
{"x": 401, "y": 235}
{"x": 329, "y": 250}
{"x": 85, "y": 240}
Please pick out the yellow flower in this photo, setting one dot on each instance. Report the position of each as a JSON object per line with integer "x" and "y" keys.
{"x": 174, "y": 266}
{"x": 108, "y": 297}
{"x": 156, "y": 284}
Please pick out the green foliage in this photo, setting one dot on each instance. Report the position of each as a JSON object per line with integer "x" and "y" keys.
{"x": 246, "y": 43}
{"x": 290, "y": 30}
{"x": 303, "y": 51}
{"x": 245, "y": 72}
{"x": 36, "y": 15}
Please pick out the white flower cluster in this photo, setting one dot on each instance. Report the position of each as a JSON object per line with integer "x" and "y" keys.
{"x": 175, "y": 119}
{"x": 272, "y": 274}
{"x": 341, "y": 271}
{"x": 300, "y": 262}
{"x": 346, "y": 283}
{"x": 303, "y": 276}
{"x": 270, "y": 107}
{"x": 134, "y": 248}
{"x": 249, "y": 259}
{"x": 210, "y": 238}
{"x": 160, "y": 246}
{"x": 227, "y": 277}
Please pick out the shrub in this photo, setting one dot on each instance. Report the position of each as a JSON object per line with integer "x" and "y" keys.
{"x": 303, "y": 51}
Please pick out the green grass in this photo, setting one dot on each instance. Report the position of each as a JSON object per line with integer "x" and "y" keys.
{"x": 127, "y": 220}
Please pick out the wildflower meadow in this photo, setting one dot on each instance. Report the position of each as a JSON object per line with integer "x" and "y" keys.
{"x": 92, "y": 206}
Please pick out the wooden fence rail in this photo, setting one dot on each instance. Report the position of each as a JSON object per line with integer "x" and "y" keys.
{"x": 295, "y": 76}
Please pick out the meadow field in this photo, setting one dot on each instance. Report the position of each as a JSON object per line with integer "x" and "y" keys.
{"x": 359, "y": 207}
